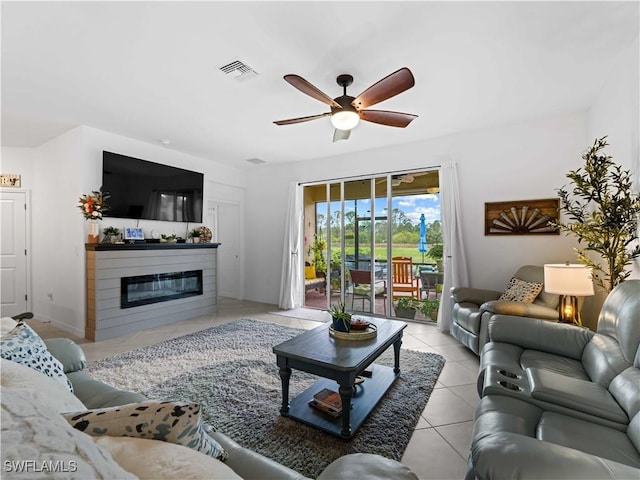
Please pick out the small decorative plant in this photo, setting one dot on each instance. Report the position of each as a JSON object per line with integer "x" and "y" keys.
{"x": 110, "y": 233}
{"x": 195, "y": 233}
{"x": 168, "y": 238}
{"x": 341, "y": 318}
{"x": 93, "y": 205}
{"x": 603, "y": 215}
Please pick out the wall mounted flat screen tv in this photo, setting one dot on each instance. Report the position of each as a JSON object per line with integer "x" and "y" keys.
{"x": 151, "y": 191}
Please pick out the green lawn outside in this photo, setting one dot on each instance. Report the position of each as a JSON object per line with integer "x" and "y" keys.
{"x": 398, "y": 250}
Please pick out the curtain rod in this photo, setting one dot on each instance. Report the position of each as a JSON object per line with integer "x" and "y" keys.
{"x": 371, "y": 175}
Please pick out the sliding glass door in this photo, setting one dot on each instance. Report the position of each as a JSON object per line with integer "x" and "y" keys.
{"x": 354, "y": 227}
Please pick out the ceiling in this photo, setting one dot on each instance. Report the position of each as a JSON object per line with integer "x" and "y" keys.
{"x": 150, "y": 70}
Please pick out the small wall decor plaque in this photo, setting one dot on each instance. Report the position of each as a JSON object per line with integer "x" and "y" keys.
{"x": 521, "y": 217}
{"x": 10, "y": 180}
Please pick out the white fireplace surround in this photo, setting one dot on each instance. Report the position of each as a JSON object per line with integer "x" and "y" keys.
{"x": 108, "y": 264}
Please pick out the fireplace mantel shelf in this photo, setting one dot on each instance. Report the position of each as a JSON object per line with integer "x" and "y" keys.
{"x": 103, "y": 247}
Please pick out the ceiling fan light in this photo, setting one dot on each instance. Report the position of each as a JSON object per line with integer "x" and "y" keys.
{"x": 345, "y": 120}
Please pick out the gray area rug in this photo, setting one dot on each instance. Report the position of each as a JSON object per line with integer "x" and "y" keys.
{"x": 231, "y": 371}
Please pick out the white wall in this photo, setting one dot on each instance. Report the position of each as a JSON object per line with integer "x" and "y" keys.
{"x": 616, "y": 113}
{"x": 58, "y": 172}
{"x": 516, "y": 162}
{"x": 18, "y": 160}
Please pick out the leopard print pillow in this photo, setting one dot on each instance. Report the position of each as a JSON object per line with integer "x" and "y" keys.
{"x": 521, "y": 291}
{"x": 174, "y": 422}
{"x": 23, "y": 345}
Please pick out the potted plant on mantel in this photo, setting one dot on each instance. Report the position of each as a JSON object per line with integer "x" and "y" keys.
{"x": 341, "y": 318}
{"x": 603, "y": 214}
{"x": 111, "y": 235}
{"x": 194, "y": 235}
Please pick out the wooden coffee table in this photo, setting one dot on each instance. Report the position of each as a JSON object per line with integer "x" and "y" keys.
{"x": 341, "y": 361}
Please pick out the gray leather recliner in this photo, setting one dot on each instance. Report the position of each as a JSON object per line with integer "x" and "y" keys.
{"x": 474, "y": 307}
{"x": 560, "y": 401}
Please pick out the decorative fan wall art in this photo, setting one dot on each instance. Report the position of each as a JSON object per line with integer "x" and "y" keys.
{"x": 521, "y": 217}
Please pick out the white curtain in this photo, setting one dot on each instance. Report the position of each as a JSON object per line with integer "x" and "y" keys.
{"x": 291, "y": 281}
{"x": 455, "y": 261}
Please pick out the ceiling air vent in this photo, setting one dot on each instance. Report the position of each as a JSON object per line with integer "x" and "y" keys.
{"x": 238, "y": 70}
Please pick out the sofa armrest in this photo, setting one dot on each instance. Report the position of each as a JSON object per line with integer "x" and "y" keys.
{"x": 537, "y": 334}
{"x": 520, "y": 309}
{"x": 473, "y": 295}
{"x": 68, "y": 353}
{"x": 251, "y": 465}
{"x": 513, "y": 456}
{"x": 574, "y": 393}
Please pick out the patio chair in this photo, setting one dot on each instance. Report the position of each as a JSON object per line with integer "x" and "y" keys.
{"x": 405, "y": 283}
{"x": 361, "y": 280}
{"x": 430, "y": 282}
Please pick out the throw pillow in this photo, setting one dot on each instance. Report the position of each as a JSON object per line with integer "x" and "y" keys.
{"x": 174, "y": 422}
{"x": 37, "y": 443}
{"x": 309, "y": 273}
{"x": 38, "y": 387}
{"x": 521, "y": 291}
{"x": 164, "y": 460}
{"x": 23, "y": 345}
{"x": 6, "y": 325}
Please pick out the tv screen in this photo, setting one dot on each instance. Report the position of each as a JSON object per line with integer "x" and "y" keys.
{"x": 151, "y": 191}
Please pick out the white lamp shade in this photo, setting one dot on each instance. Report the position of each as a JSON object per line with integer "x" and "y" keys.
{"x": 345, "y": 119}
{"x": 568, "y": 279}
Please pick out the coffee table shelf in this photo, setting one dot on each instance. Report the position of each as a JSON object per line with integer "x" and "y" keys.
{"x": 367, "y": 396}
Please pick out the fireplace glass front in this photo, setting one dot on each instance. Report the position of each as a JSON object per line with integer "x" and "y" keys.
{"x": 159, "y": 287}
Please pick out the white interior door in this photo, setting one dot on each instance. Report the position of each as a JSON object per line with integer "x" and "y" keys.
{"x": 13, "y": 253}
{"x": 228, "y": 234}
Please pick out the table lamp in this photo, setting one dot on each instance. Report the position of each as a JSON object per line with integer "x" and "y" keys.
{"x": 569, "y": 281}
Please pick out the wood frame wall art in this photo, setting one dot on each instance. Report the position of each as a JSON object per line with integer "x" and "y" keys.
{"x": 521, "y": 217}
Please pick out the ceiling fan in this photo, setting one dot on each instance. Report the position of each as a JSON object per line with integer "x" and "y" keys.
{"x": 396, "y": 180}
{"x": 346, "y": 110}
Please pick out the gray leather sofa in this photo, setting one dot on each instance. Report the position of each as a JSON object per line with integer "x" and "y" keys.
{"x": 474, "y": 307}
{"x": 559, "y": 401}
{"x": 246, "y": 463}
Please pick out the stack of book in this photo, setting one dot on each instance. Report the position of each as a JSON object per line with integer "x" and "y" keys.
{"x": 327, "y": 401}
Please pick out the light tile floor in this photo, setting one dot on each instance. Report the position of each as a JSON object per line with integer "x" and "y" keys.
{"x": 440, "y": 443}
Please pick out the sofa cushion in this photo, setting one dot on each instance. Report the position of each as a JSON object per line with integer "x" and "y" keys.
{"x": 174, "y": 422}
{"x": 31, "y": 431}
{"x": 23, "y": 345}
{"x": 588, "y": 437}
{"x": 163, "y": 460}
{"x": 521, "y": 291}
{"x": 39, "y": 387}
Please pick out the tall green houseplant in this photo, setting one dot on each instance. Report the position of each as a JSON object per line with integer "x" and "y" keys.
{"x": 603, "y": 215}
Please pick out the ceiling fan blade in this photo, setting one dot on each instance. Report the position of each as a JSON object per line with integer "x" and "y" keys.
{"x": 305, "y": 87}
{"x": 291, "y": 121}
{"x": 384, "y": 117}
{"x": 340, "y": 135}
{"x": 388, "y": 87}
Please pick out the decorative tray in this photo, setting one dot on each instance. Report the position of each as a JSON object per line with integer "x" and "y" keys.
{"x": 370, "y": 332}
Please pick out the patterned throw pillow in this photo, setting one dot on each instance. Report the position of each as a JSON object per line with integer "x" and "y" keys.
{"x": 521, "y": 291}
{"x": 23, "y": 345}
{"x": 174, "y": 422}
